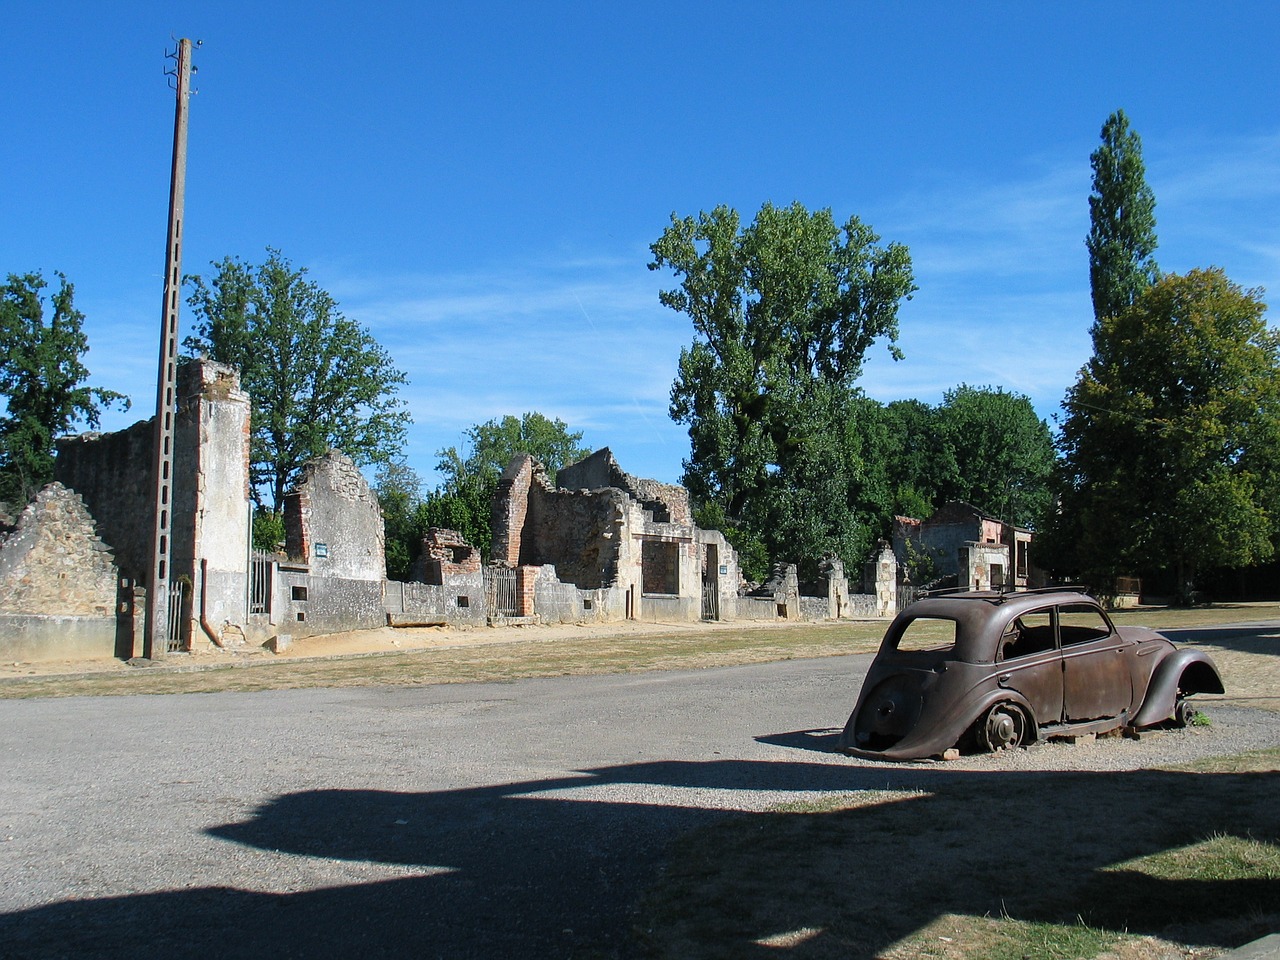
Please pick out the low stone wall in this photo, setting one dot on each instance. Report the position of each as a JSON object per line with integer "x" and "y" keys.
{"x": 669, "y": 609}
{"x": 35, "y": 637}
{"x": 310, "y": 606}
{"x": 815, "y": 608}
{"x": 756, "y": 608}
{"x": 458, "y": 601}
{"x": 864, "y": 606}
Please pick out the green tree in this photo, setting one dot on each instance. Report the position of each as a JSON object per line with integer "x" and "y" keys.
{"x": 471, "y": 474}
{"x": 42, "y": 381}
{"x": 399, "y": 491}
{"x": 784, "y": 311}
{"x": 919, "y": 462}
{"x": 1122, "y": 220}
{"x": 317, "y": 380}
{"x": 1003, "y": 453}
{"x": 1171, "y": 436}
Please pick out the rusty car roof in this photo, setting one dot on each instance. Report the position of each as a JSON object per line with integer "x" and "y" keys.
{"x": 977, "y": 612}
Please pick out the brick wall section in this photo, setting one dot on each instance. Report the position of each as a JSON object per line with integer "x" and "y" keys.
{"x": 54, "y": 562}
{"x": 510, "y": 511}
{"x": 445, "y": 555}
{"x": 526, "y": 583}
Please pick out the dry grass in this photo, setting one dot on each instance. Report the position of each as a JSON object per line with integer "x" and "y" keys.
{"x": 679, "y": 649}
{"x": 1162, "y": 863}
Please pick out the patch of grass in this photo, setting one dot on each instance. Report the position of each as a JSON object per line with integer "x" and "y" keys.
{"x": 962, "y": 864}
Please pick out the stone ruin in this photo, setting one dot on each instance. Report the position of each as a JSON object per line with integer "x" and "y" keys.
{"x": 597, "y": 545}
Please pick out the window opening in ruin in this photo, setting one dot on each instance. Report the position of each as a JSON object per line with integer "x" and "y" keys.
{"x": 301, "y": 616}
{"x": 660, "y": 567}
{"x": 464, "y": 601}
{"x": 588, "y": 604}
{"x": 297, "y": 593}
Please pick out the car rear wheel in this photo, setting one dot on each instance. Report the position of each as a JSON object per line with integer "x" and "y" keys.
{"x": 1184, "y": 713}
{"x": 1003, "y": 728}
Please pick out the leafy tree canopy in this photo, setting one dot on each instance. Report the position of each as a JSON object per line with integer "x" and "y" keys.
{"x": 42, "y": 381}
{"x": 317, "y": 380}
{"x": 784, "y": 310}
{"x": 1171, "y": 436}
{"x": 1002, "y": 452}
{"x": 1122, "y": 220}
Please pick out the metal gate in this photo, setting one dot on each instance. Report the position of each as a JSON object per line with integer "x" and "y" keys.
{"x": 178, "y": 623}
{"x": 500, "y": 591}
{"x": 260, "y": 582}
{"x": 711, "y": 583}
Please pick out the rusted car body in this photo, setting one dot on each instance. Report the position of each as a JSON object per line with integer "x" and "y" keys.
{"x": 989, "y": 671}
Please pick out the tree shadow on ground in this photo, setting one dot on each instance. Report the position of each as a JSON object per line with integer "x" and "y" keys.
{"x": 1257, "y": 638}
{"x": 553, "y": 867}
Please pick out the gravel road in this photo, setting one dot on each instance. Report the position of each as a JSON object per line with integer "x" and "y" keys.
{"x": 495, "y": 820}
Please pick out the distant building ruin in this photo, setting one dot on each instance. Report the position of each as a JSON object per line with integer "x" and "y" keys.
{"x": 598, "y": 545}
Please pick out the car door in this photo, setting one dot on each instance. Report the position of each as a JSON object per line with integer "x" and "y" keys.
{"x": 1029, "y": 661}
{"x": 1095, "y": 670}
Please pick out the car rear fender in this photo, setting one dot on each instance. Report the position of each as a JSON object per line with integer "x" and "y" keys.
{"x": 1004, "y": 695}
{"x": 1188, "y": 670}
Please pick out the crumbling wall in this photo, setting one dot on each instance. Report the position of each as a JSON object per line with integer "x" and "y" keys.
{"x": 510, "y": 511}
{"x": 58, "y": 583}
{"x": 668, "y": 502}
{"x": 445, "y": 555}
{"x": 333, "y": 522}
{"x": 209, "y": 505}
{"x": 112, "y": 474}
{"x": 334, "y": 538}
{"x": 211, "y": 475}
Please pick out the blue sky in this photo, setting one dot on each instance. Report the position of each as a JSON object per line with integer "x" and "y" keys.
{"x": 478, "y": 184}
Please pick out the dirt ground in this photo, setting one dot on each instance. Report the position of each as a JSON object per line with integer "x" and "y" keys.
{"x": 385, "y": 640}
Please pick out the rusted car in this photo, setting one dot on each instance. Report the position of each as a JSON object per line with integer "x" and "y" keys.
{"x": 989, "y": 671}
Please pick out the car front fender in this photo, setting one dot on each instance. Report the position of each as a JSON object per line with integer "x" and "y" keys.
{"x": 1189, "y": 670}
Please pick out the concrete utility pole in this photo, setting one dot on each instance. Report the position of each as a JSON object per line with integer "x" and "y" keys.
{"x": 157, "y": 623}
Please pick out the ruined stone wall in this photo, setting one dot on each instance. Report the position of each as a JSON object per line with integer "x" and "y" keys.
{"x": 576, "y": 532}
{"x": 112, "y": 474}
{"x": 58, "y": 583}
{"x": 333, "y": 522}
{"x": 668, "y": 502}
{"x": 54, "y": 562}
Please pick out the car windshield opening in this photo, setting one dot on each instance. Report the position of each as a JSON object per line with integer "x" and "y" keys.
{"x": 927, "y": 633}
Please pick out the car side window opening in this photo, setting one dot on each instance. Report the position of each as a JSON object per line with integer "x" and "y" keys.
{"x": 1080, "y": 623}
{"x": 1028, "y": 634}
{"x": 928, "y": 633}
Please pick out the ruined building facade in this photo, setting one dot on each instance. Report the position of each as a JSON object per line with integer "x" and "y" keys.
{"x": 599, "y": 545}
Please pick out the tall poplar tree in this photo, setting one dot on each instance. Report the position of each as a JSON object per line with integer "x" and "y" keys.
{"x": 1122, "y": 221}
